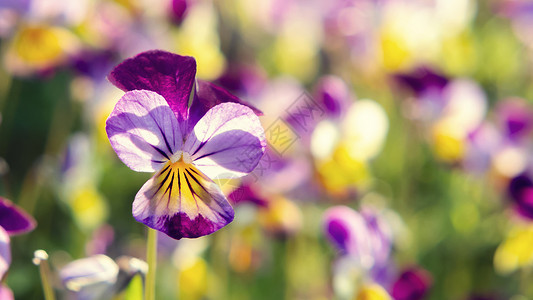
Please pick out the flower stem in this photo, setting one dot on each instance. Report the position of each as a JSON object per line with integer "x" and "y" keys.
{"x": 41, "y": 259}
{"x": 151, "y": 259}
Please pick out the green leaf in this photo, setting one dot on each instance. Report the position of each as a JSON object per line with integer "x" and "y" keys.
{"x": 134, "y": 291}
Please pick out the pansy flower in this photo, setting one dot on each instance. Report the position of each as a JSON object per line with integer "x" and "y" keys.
{"x": 189, "y": 132}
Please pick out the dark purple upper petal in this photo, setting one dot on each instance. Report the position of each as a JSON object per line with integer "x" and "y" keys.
{"x": 421, "y": 80}
{"x": 209, "y": 95}
{"x": 412, "y": 284}
{"x": 170, "y": 75}
{"x": 13, "y": 219}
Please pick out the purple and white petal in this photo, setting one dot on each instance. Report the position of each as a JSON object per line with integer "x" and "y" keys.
{"x": 227, "y": 142}
{"x": 182, "y": 202}
{"x": 209, "y": 95}
{"x": 380, "y": 234}
{"x": 347, "y": 230}
{"x": 168, "y": 74}
{"x": 143, "y": 131}
{"x": 90, "y": 278}
{"x": 13, "y": 219}
{"x": 5, "y": 252}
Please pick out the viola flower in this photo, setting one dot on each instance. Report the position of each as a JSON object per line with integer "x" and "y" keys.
{"x": 154, "y": 129}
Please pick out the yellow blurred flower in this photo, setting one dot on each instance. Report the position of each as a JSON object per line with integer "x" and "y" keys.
{"x": 448, "y": 144}
{"x": 516, "y": 251}
{"x": 281, "y": 216}
{"x": 243, "y": 252}
{"x": 88, "y": 207}
{"x": 372, "y": 292}
{"x": 395, "y": 54}
{"x": 295, "y": 51}
{"x": 342, "y": 173}
{"x": 198, "y": 37}
{"x": 36, "y": 48}
{"x": 193, "y": 273}
{"x": 192, "y": 279}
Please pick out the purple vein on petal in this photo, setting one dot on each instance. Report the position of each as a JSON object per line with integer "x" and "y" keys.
{"x": 143, "y": 130}
{"x": 184, "y": 204}
{"x": 227, "y": 142}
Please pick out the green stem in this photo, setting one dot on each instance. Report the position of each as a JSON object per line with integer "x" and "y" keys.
{"x": 41, "y": 259}
{"x": 151, "y": 259}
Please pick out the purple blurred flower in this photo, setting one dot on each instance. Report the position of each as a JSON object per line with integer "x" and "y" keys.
{"x": 412, "y": 284}
{"x": 422, "y": 81}
{"x": 334, "y": 95}
{"x": 516, "y": 118}
{"x": 515, "y": 8}
{"x": 247, "y": 192}
{"x": 153, "y": 129}
{"x": 101, "y": 238}
{"x": 521, "y": 192}
{"x": 243, "y": 79}
{"x": 483, "y": 143}
{"x": 428, "y": 88}
{"x": 20, "y": 6}
{"x": 95, "y": 64}
{"x": 363, "y": 236}
{"x": 178, "y": 10}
